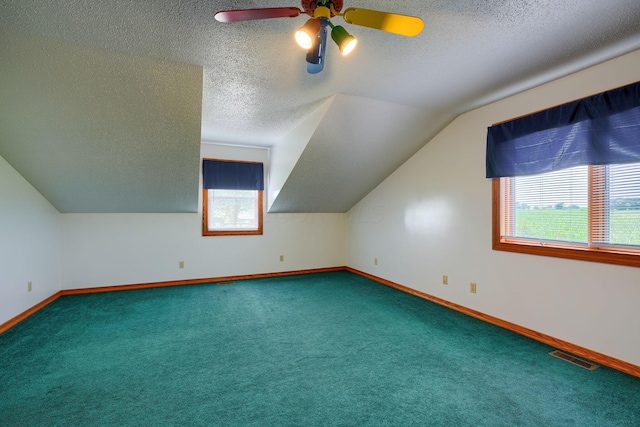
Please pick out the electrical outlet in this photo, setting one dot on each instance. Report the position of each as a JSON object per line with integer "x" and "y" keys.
{"x": 375, "y": 261}
{"x": 445, "y": 280}
{"x": 29, "y": 287}
{"x": 281, "y": 258}
{"x": 472, "y": 287}
{"x": 181, "y": 264}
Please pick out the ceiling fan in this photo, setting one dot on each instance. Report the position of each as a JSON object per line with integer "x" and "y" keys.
{"x": 313, "y": 34}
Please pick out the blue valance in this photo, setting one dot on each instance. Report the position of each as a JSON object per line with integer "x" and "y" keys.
{"x": 597, "y": 130}
{"x": 231, "y": 175}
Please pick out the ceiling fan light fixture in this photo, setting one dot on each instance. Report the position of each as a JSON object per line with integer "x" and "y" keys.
{"x": 315, "y": 55}
{"x": 345, "y": 41}
{"x": 308, "y": 33}
{"x": 315, "y": 52}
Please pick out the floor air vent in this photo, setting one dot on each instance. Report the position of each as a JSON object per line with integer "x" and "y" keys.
{"x": 572, "y": 359}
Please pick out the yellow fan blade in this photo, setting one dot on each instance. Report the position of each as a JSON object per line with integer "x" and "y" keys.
{"x": 391, "y": 22}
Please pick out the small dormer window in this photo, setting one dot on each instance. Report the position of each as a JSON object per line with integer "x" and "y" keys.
{"x": 232, "y": 201}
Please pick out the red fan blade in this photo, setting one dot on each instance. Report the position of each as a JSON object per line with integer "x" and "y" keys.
{"x": 249, "y": 14}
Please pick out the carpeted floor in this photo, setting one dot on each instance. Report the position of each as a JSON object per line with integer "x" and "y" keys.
{"x": 313, "y": 350}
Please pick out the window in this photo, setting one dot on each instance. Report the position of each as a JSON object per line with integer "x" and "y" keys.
{"x": 583, "y": 212}
{"x": 232, "y": 201}
{"x": 232, "y": 212}
{"x": 566, "y": 181}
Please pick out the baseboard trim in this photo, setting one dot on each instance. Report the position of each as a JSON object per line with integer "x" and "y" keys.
{"x": 80, "y": 291}
{"x": 594, "y": 356}
{"x": 22, "y": 316}
{"x": 25, "y": 314}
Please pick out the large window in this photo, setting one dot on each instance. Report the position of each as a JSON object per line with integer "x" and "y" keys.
{"x": 232, "y": 200}
{"x": 566, "y": 181}
{"x": 582, "y": 212}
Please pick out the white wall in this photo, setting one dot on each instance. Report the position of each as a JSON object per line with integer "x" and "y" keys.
{"x": 29, "y": 245}
{"x": 432, "y": 217}
{"x": 118, "y": 249}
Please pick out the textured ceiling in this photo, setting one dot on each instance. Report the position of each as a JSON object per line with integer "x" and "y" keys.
{"x": 256, "y": 89}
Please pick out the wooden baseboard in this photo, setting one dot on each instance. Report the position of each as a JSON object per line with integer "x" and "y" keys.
{"x": 195, "y": 281}
{"x": 22, "y": 316}
{"x": 594, "y": 356}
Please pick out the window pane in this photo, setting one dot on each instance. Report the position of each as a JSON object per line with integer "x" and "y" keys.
{"x": 233, "y": 210}
{"x": 551, "y": 206}
{"x": 624, "y": 204}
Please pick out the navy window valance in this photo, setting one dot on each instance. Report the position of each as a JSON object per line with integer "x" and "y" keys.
{"x": 232, "y": 175}
{"x": 597, "y": 130}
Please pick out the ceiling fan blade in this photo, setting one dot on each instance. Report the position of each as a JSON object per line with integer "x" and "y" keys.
{"x": 404, "y": 25}
{"x": 250, "y": 14}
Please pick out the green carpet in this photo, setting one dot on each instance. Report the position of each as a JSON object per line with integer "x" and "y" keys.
{"x": 319, "y": 349}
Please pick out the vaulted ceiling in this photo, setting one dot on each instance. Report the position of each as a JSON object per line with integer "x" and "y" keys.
{"x": 104, "y": 104}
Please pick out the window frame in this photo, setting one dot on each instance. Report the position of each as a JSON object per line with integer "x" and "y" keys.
{"x": 568, "y": 250}
{"x": 235, "y": 232}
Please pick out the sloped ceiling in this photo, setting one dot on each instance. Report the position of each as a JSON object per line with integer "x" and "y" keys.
{"x": 99, "y": 131}
{"x": 255, "y": 89}
{"x": 358, "y": 143}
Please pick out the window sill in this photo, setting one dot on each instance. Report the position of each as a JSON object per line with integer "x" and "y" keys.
{"x": 582, "y": 253}
{"x": 232, "y": 232}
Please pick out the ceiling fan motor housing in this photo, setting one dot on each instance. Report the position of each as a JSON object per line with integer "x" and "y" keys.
{"x": 310, "y": 5}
